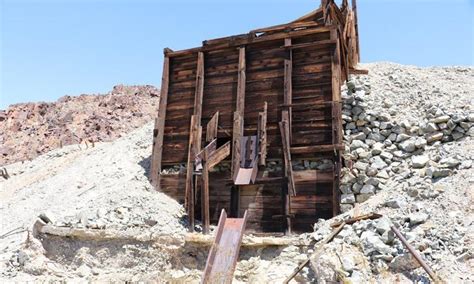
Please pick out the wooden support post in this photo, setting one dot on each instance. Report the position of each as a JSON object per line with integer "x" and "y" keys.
{"x": 287, "y": 87}
{"x": 235, "y": 201}
{"x": 237, "y": 133}
{"x": 262, "y": 136}
{"x": 284, "y": 130}
{"x": 159, "y": 130}
{"x": 205, "y": 197}
{"x": 336, "y": 120}
{"x": 287, "y": 210}
{"x": 189, "y": 193}
{"x": 241, "y": 79}
{"x": 356, "y": 26}
{"x": 195, "y": 132}
{"x": 238, "y": 128}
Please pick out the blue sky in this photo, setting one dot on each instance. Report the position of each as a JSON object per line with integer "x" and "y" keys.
{"x": 53, "y": 48}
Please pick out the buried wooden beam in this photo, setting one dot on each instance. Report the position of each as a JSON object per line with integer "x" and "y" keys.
{"x": 158, "y": 132}
{"x": 316, "y": 253}
{"x": 329, "y": 238}
{"x": 416, "y": 255}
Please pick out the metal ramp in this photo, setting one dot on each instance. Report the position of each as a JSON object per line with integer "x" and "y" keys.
{"x": 224, "y": 252}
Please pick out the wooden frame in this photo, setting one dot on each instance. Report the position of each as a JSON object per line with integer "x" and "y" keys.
{"x": 294, "y": 71}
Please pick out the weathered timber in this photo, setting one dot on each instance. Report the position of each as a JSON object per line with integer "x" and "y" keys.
{"x": 287, "y": 87}
{"x": 416, "y": 255}
{"x": 189, "y": 193}
{"x": 211, "y": 129}
{"x": 316, "y": 148}
{"x": 262, "y": 135}
{"x": 218, "y": 155}
{"x": 237, "y": 134}
{"x": 284, "y": 129}
{"x": 206, "y": 222}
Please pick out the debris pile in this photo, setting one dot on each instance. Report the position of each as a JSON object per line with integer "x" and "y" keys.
{"x": 383, "y": 146}
{"x": 30, "y": 129}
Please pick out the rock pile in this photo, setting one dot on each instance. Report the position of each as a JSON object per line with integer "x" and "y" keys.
{"x": 30, "y": 129}
{"x": 381, "y": 147}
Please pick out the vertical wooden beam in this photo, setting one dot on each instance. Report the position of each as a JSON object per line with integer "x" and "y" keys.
{"x": 189, "y": 194}
{"x": 158, "y": 133}
{"x": 235, "y": 201}
{"x": 241, "y": 79}
{"x": 237, "y": 133}
{"x": 356, "y": 25}
{"x": 284, "y": 130}
{"x": 336, "y": 120}
{"x": 199, "y": 87}
{"x": 262, "y": 135}
{"x": 238, "y": 128}
{"x": 287, "y": 210}
{"x": 287, "y": 86}
{"x": 205, "y": 196}
{"x": 195, "y": 132}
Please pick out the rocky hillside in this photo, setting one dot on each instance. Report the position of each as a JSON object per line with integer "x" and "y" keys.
{"x": 30, "y": 129}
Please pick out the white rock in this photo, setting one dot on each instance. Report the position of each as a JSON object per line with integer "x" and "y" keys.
{"x": 417, "y": 218}
{"x": 367, "y": 189}
{"x": 433, "y": 137}
{"x": 377, "y": 148}
{"x": 348, "y": 198}
{"x": 441, "y": 119}
{"x": 408, "y": 145}
{"x": 419, "y": 161}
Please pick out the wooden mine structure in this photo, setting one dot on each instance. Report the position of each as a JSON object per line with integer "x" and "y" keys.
{"x": 235, "y": 109}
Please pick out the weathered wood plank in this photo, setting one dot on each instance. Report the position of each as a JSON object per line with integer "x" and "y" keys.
{"x": 206, "y": 222}
{"x": 218, "y": 155}
{"x": 237, "y": 134}
{"x": 316, "y": 148}
{"x": 287, "y": 85}
{"x": 284, "y": 129}
{"x": 211, "y": 129}
{"x": 241, "y": 82}
{"x": 262, "y": 135}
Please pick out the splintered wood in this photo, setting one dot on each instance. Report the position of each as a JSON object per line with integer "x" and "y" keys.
{"x": 265, "y": 101}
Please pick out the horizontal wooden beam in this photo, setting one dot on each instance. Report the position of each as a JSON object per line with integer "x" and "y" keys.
{"x": 237, "y": 41}
{"x": 309, "y": 176}
{"x": 316, "y": 149}
{"x": 358, "y": 71}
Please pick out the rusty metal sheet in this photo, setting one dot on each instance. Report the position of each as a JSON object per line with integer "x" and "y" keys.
{"x": 224, "y": 252}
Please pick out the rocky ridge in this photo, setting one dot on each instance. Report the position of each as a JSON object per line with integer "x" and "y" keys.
{"x": 30, "y": 129}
